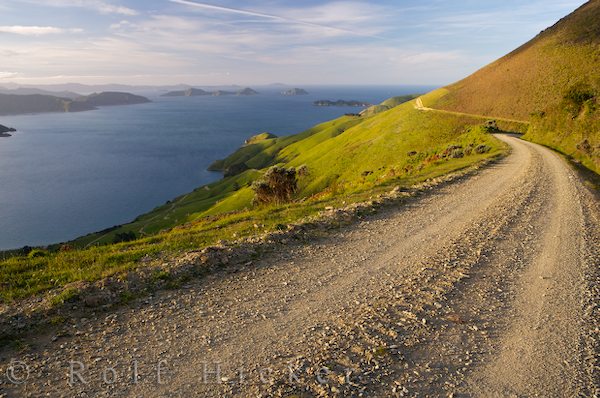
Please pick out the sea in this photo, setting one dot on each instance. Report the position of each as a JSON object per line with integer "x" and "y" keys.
{"x": 63, "y": 175}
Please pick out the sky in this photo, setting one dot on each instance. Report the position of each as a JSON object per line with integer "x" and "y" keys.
{"x": 164, "y": 42}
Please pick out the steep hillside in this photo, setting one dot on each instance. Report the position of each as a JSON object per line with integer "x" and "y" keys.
{"x": 552, "y": 81}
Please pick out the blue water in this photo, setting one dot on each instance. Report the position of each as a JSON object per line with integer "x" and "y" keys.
{"x": 64, "y": 175}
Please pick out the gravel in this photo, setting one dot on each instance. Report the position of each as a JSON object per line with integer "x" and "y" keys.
{"x": 483, "y": 287}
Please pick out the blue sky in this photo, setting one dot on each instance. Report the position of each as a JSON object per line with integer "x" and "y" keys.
{"x": 261, "y": 42}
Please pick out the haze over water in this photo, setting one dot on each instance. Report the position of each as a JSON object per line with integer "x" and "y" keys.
{"x": 63, "y": 175}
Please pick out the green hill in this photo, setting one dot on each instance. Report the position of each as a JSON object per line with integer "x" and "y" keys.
{"x": 343, "y": 157}
{"x": 345, "y": 160}
{"x": 552, "y": 81}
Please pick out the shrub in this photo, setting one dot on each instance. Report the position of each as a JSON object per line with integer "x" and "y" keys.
{"x": 576, "y": 98}
{"x": 457, "y": 153}
{"x": 124, "y": 237}
{"x": 482, "y": 149}
{"x": 585, "y": 147}
{"x": 491, "y": 126}
{"x": 235, "y": 169}
{"x": 277, "y": 186}
{"x": 302, "y": 171}
{"x": 35, "y": 253}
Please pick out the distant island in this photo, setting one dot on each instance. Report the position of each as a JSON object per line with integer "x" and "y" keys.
{"x": 341, "y": 103}
{"x": 294, "y": 91}
{"x": 196, "y": 92}
{"x": 5, "y": 130}
{"x": 13, "y": 104}
{"x": 190, "y": 92}
{"x": 33, "y": 90}
{"x": 112, "y": 98}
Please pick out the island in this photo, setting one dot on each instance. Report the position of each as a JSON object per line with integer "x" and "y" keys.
{"x": 247, "y": 91}
{"x": 341, "y": 103}
{"x": 112, "y": 98}
{"x": 13, "y": 104}
{"x": 190, "y": 92}
{"x": 195, "y": 92}
{"x": 5, "y": 130}
{"x": 294, "y": 91}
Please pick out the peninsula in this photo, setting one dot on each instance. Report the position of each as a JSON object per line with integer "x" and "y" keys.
{"x": 4, "y": 131}
{"x": 341, "y": 103}
{"x": 13, "y": 104}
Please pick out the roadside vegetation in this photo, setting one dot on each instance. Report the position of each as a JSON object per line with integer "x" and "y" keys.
{"x": 281, "y": 180}
{"x": 553, "y": 82}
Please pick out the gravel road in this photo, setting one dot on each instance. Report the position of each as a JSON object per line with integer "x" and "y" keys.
{"x": 487, "y": 287}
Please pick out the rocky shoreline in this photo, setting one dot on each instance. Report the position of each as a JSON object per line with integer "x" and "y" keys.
{"x": 4, "y": 131}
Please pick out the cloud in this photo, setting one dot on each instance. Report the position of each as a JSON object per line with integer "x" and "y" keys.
{"x": 7, "y": 75}
{"x": 36, "y": 30}
{"x": 272, "y": 17}
{"x": 100, "y": 6}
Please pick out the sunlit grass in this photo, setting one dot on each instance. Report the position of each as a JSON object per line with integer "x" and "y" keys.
{"x": 348, "y": 160}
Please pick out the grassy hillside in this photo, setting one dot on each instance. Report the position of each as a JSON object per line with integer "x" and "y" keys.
{"x": 347, "y": 160}
{"x": 552, "y": 81}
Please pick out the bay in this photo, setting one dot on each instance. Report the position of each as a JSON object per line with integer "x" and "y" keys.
{"x": 63, "y": 175}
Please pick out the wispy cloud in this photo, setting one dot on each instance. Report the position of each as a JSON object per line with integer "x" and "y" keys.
{"x": 103, "y": 7}
{"x": 272, "y": 17}
{"x": 36, "y": 30}
{"x": 232, "y": 41}
{"x": 7, "y": 75}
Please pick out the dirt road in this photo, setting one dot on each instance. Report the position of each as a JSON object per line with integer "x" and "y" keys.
{"x": 486, "y": 287}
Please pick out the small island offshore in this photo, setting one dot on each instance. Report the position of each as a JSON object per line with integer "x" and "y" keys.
{"x": 196, "y": 92}
{"x": 294, "y": 91}
{"x": 4, "y": 131}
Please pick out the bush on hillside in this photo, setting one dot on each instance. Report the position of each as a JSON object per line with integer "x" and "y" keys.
{"x": 577, "y": 98}
{"x": 235, "y": 169}
{"x": 457, "y": 153}
{"x": 277, "y": 186}
{"x": 302, "y": 171}
{"x": 124, "y": 237}
{"x": 35, "y": 253}
{"x": 482, "y": 149}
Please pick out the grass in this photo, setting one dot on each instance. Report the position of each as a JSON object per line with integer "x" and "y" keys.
{"x": 532, "y": 82}
{"x": 349, "y": 159}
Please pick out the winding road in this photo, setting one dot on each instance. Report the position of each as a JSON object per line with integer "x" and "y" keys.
{"x": 486, "y": 287}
